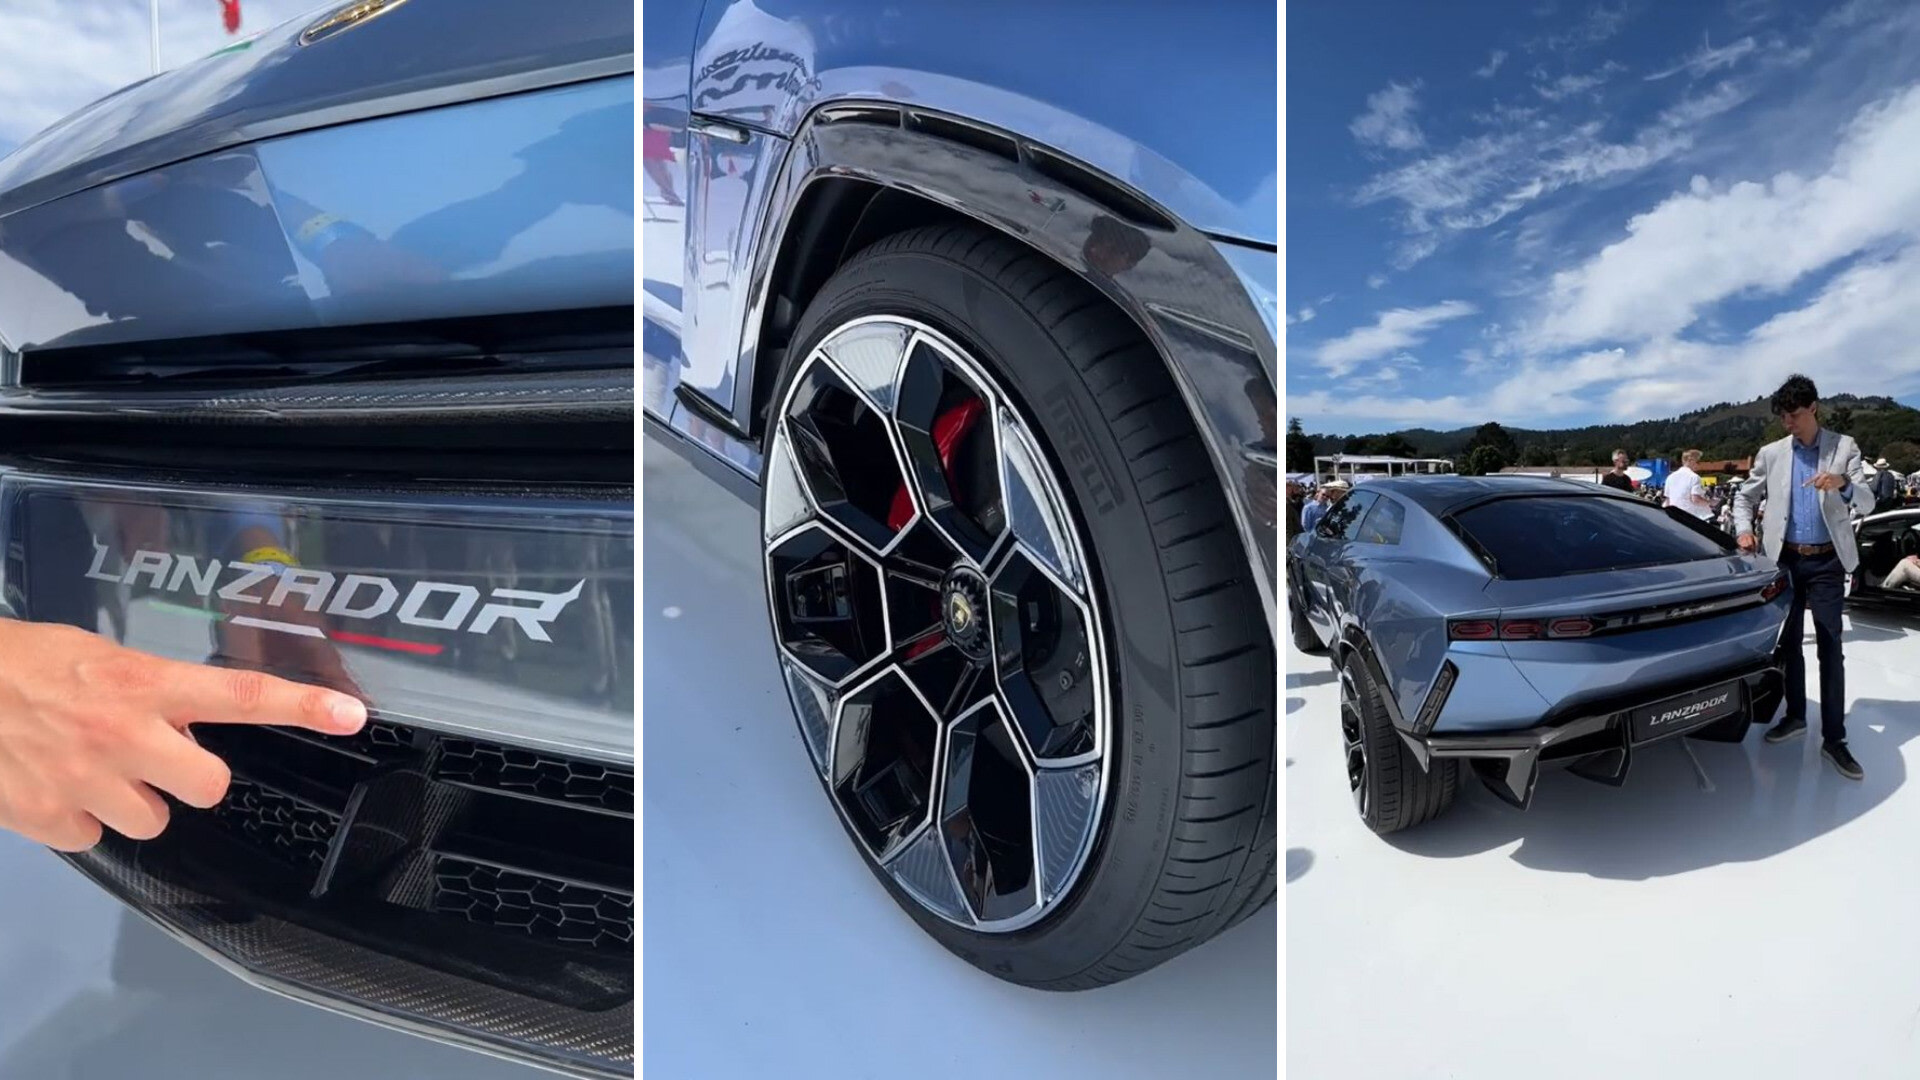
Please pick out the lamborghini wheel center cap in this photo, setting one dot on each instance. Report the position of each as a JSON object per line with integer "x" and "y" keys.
{"x": 963, "y": 607}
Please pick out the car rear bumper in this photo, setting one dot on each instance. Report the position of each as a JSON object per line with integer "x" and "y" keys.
{"x": 1597, "y": 740}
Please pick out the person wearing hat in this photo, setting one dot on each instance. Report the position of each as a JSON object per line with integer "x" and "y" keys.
{"x": 1885, "y": 487}
{"x": 1323, "y": 500}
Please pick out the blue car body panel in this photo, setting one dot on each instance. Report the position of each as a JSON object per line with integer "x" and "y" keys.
{"x": 412, "y": 56}
{"x": 504, "y": 205}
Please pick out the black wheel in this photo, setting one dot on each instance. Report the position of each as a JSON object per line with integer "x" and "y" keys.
{"x": 1040, "y": 699}
{"x": 1390, "y": 789}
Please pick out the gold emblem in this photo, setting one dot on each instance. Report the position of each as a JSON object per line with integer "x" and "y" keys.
{"x": 959, "y": 611}
{"x": 346, "y": 18}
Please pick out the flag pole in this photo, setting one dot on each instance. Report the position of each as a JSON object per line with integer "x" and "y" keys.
{"x": 153, "y": 28}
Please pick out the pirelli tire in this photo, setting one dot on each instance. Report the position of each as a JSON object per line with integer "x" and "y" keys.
{"x": 1181, "y": 836}
{"x": 1390, "y": 788}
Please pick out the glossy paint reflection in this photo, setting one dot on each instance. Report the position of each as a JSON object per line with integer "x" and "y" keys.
{"x": 416, "y": 56}
{"x": 514, "y": 204}
{"x": 481, "y": 616}
{"x": 1181, "y": 108}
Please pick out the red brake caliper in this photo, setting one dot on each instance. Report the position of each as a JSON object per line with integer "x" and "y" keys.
{"x": 949, "y": 428}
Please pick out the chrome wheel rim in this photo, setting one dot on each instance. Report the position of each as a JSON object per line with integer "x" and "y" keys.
{"x": 1353, "y": 742}
{"x": 937, "y": 629}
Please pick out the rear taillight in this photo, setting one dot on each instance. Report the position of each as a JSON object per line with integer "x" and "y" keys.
{"x": 1773, "y": 588}
{"x": 1472, "y": 630}
{"x": 1520, "y": 629}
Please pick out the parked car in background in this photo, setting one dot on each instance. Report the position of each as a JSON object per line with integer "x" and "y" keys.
{"x": 1886, "y": 538}
{"x": 316, "y": 357}
{"x": 990, "y": 337}
{"x": 1514, "y": 623}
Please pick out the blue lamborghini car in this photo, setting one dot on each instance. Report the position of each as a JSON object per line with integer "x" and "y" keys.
{"x": 1514, "y": 623}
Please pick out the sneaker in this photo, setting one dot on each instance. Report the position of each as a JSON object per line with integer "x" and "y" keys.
{"x": 1837, "y": 753}
{"x": 1786, "y": 729}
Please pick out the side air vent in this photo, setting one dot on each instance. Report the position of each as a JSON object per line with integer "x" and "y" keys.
{"x": 879, "y": 115}
{"x": 959, "y": 131}
{"x": 592, "y": 338}
{"x": 1069, "y": 174}
{"x": 1118, "y": 199}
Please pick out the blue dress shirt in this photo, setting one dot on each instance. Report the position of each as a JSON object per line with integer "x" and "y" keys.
{"x": 1311, "y": 514}
{"x": 1805, "y": 523}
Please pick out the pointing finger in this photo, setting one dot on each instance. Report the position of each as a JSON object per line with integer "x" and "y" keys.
{"x": 206, "y": 695}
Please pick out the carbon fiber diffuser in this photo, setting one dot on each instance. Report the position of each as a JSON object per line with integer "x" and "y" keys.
{"x": 388, "y": 877}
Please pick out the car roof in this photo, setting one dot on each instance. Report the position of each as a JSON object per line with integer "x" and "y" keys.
{"x": 1439, "y": 495}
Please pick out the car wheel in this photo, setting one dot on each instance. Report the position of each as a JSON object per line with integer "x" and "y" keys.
{"x": 1390, "y": 789}
{"x": 1041, "y": 699}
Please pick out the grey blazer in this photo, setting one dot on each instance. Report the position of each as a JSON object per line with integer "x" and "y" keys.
{"x": 1772, "y": 484}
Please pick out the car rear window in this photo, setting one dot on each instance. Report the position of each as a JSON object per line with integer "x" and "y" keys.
{"x": 1550, "y": 536}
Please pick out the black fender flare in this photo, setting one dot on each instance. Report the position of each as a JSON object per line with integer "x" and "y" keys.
{"x": 1188, "y": 301}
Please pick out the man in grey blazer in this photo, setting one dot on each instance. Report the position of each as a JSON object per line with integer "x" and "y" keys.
{"x": 1810, "y": 484}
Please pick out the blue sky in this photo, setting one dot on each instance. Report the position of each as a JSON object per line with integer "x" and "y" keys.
{"x": 1551, "y": 214}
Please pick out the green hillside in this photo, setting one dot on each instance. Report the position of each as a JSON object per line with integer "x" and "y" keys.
{"x": 1882, "y": 426}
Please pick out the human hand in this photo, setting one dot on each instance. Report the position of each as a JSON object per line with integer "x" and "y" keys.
{"x": 1826, "y": 481}
{"x": 1746, "y": 542}
{"x": 89, "y": 729}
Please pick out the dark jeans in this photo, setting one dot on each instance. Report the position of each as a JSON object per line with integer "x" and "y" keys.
{"x": 1819, "y": 585}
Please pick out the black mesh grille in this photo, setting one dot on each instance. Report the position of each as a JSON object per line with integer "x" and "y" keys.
{"x": 500, "y": 838}
{"x": 541, "y": 906}
{"x": 378, "y": 741}
{"x": 540, "y": 776}
{"x": 492, "y": 865}
{"x": 288, "y": 828}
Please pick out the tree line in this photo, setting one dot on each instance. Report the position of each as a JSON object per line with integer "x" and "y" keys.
{"x": 1727, "y": 430}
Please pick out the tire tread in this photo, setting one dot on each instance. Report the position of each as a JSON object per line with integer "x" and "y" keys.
{"x": 1224, "y": 658}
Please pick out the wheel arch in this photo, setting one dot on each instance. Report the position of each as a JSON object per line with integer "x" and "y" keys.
{"x": 858, "y": 172}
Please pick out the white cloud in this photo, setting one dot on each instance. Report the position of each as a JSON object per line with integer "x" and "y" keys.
{"x": 1493, "y": 64}
{"x": 1304, "y": 315}
{"x": 1481, "y": 180}
{"x": 1388, "y": 120}
{"x": 1374, "y": 281}
{"x": 1706, "y": 60}
{"x": 1392, "y": 331}
{"x": 1567, "y": 86}
{"x": 1707, "y": 244}
{"x": 1859, "y": 334}
{"x": 1596, "y": 27}
{"x": 59, "y": 55}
